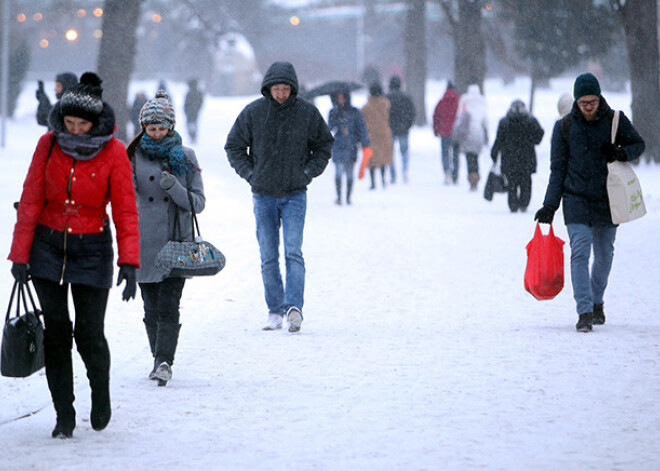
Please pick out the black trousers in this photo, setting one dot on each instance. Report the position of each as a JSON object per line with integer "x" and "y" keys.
{"x": 161, "y": 317}
{"x": 90, "y": 306}
{"x": 519, "y": 187}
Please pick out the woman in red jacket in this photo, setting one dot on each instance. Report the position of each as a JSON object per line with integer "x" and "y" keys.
{"x": 62, "y": 239}
{"x": 443, "y": 125}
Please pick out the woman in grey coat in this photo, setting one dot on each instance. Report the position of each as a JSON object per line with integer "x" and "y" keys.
{"x": 167, "y": 182}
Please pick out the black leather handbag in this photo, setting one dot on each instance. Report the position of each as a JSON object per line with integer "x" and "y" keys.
{"x": 22, "y": 337}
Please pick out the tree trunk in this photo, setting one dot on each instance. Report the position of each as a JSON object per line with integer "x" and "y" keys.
{"x": 117, "y": 54}
{"x": 640, "y": 21}
{"x": 415, "y": 52}
{"x": 469, "y": 47}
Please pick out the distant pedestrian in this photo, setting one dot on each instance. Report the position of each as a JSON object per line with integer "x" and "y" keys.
{"x": 167, "y": 182}
{"x": 278, "y": 144}
{"x": 376, "y": 115}
{"x": 473, "y": 106}
{"x": 517, "y": 134}
{"x": 578, "y": 178}
{"x": 402, "y": 117}
{"x": 63, "y": 82}
{"x": 191, "y": 107}
{"x": 347, "y": 124}
{"x": 136, "y": 107}
{"x": 564, "y": 104}
{"x": 444, "y": 117}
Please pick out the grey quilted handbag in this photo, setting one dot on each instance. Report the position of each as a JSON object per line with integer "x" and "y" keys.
{"x": 186, "y": 258}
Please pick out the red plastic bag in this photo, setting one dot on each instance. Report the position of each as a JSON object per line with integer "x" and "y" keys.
{"x": 544, "y": 274}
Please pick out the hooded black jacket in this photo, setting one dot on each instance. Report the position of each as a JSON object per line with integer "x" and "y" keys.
{"x": 279, "y": 148}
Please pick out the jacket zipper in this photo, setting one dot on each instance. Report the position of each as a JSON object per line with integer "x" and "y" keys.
{"x": 68, "y": 192}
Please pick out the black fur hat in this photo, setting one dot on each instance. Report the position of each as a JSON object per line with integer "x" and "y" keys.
{"x": 84, "y": 100}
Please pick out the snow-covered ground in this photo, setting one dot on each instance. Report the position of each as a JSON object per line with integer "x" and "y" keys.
{"x": 420, "y": 349}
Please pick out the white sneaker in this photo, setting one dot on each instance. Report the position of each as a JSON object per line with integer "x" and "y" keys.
{"x": 274, "y": 322}
{"x": 295, "y": 318}
{"x": 163, "y": 372}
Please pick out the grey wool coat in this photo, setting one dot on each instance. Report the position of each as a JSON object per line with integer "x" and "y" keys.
{"x": 157, "y": 209}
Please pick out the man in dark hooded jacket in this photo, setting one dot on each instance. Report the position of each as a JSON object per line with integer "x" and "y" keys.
{"x": 63, "y": 83}
{"x": 517, "y": 134}
{"x": 579, "y": 156}
{"x": 279, "y": 143}
{"x": 402, "y": 117}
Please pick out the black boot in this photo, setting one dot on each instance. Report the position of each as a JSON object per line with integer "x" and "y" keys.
{"x": 58, "y": 343}
{"x": 585, "y": 322}
{"x": 372, "y": 175}
{"x": 93, "y": 349}
{"x": 168, "y": 338}
{"x": 152, "y": 334}
{"x": 599, "y": 314}
{"x": 349, "y": 189}
{"x": 338, "y": 188}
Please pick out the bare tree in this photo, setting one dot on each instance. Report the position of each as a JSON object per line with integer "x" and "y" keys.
{"x": 415, "y": 52}
{"x": 117, "y": 54}
{"x": 464, "y": 16}
{"x": 640, "y": 23}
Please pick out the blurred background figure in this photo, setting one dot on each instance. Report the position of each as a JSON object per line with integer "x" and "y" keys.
{"x": 402, "y": 117}
{"x": 564, "y": 104}
{"x": 64, "y": 81}
{"x": 376, "y": 115}
{"x": 138, "y": 103}
{"x": 473, "y": 108}
{"x": 517, "y": 134}
{"x": 443, "y": 125}
{"x": 347, "y": 125}
{"x": 191, "y": 107}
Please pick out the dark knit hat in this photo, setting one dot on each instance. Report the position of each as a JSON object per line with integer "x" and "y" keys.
{"x": 68, "y": 80}
{"x": 375, "y": 89}
{"x": 84, "y": 100}
{"x": 395, "y": 82}
{"x": 158, "y": 111}
{"x": 586, "y": 84}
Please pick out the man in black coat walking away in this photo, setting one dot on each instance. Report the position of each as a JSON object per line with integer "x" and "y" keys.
{"x": 579, "y": 156}
{"x": 191, "y": 106}
{"x": 64, "y": 82}
{"x": 517, "y": 134}
{"x": 402, "y": 117}
{"x": 278, "y": 144}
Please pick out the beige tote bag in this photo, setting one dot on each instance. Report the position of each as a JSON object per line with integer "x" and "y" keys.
{"x": 623, "y": 187}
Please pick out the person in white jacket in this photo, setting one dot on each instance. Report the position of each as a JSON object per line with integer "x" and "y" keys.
{"x": 473, "y": 106}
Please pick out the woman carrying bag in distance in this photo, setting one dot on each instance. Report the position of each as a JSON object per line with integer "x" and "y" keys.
{"x": 167, "y": 181}
{"x": 63, "y": 240}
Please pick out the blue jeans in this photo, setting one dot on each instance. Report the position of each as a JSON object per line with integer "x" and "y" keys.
{"x": 589, "y": 289}
{"x": 403, "y": 147}
{"x": 271, "y": 213}
{"x": 450, "y": 152}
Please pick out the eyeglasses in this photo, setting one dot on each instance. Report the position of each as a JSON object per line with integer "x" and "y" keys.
{"x": 588, "y": 103}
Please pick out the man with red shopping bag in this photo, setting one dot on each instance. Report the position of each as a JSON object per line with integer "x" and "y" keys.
{"x": 580, "y": 151}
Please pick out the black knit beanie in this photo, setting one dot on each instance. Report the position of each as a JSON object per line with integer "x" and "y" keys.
{"x": 586, "y": 84}
{"x": 85, "y": 99}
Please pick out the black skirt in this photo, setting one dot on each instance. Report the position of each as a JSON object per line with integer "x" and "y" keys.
{"x": 85, "y": 259}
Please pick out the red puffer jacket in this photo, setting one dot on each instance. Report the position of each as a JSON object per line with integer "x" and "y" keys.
{"x": 445, "y": 113}
{"x": 92, "y": 184}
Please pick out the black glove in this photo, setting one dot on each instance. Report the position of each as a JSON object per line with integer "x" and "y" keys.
{"x": 613, "y": 152}
{"x": 41, "y": 94}
{"x": 545, "y": 215}
{"x": 127, "y": 272}
{"x": 20, "y": 272}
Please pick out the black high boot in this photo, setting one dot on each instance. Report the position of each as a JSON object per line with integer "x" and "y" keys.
{"x": 349, "y": 189}
{"x": 152, "y": 334}
{"x": 382, "y": 175}
{"x": 168, "y": 338}
{"x": 372, "y": 175}
{"x": 338, "y": 187}
{"x": 58, "y": 343}
{"x": 93, "y": 349}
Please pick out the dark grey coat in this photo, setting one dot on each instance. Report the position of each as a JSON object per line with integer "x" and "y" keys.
{"x": 157, "y": 209}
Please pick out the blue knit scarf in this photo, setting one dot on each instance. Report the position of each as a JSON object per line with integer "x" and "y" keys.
{"x": 168, "y": 150}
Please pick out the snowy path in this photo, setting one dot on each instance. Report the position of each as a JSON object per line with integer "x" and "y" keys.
{"x": 420, "y": 349}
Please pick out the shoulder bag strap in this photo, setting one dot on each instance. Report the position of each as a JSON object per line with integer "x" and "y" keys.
{"x": 11, "y": 300}
{"x": 193, "y": 222}
{"x": 615, "y": 125}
